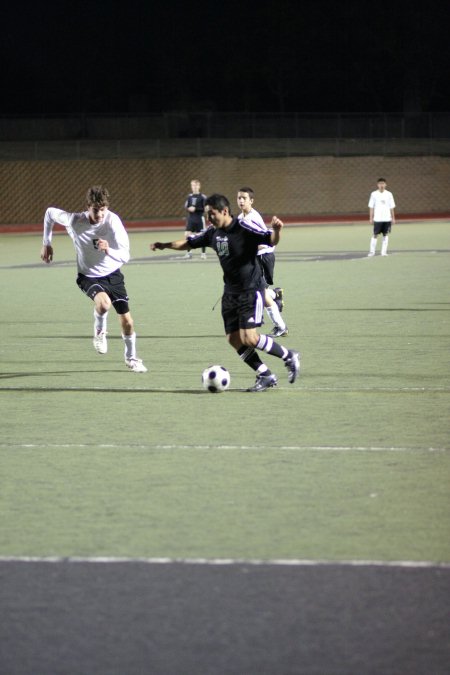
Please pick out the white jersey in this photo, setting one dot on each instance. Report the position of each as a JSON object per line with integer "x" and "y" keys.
{"x": 90, "y": 260}
{"x": 381, "y": 203}
{"x": 256, "y": 218}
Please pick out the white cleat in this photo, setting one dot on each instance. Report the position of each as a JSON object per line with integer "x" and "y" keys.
{"x": 135, "y": 365}
{"x": 100, "y": 343}
{"x": 370, "y": 255}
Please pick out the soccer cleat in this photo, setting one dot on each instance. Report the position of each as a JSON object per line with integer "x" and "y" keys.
{"x": 292, "y": 363}
{"x": 135, "y": 365}
{"x": 370, "y": 255}
{"x": 203, "y": 256}
{"x": 264, "y": 382}
{"x": 280, "y": 332}
{"x": 279, "y": 298}
{"x": 100, "y": 343}
{"x": 187, "y": 255}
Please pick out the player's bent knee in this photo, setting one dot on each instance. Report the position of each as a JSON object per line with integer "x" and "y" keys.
{"x": 102, "y": 303}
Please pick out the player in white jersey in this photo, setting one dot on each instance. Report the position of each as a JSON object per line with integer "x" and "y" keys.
{"x": 273, "y": 301}
{"x": 381, "y": 216}
{"x": 102, "y": 247}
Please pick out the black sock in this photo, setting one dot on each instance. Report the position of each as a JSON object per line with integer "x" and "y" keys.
{"x": 268, "y": 344}
{"x": 251, "y": 358}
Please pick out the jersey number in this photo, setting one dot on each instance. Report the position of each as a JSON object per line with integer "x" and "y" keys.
{"x": 222, "y": 249}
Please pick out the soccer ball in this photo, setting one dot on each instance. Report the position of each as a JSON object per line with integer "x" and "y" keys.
{"x": 215, "y": 379}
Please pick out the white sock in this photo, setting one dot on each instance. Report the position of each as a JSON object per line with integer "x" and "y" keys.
{"x": 275, "y": 315}
{"x": 373, "y": 245}
{"x": 130, "y": 345}
{"x": 384, "y": 245}
{"x": 272, "y": 293}
{"x": 99, "y": 322}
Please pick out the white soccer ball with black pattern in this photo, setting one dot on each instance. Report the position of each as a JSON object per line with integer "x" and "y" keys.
{"x": 216, "y": 379}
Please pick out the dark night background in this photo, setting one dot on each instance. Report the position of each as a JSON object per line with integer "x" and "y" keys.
{"x": 270, "y": 55}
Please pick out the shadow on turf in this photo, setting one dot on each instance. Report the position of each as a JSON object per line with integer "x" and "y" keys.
{"x": 5, "y": 376}
{"x": 387, "y": 309}
{"x": 107, "y": 390}
{"x": 111, "y": 390}
{"x": 118, "y": 337}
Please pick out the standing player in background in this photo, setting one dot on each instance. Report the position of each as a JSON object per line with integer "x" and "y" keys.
{"x": 236, "y": 244}
{"x": 102, "y": 247}
{"x": 195, "y": 219}
{"x": 273, "y": 298}
{"x": 381, "y": 215}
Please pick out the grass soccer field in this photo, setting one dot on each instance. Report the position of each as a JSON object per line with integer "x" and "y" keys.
{"x": 349, "y": 463}
{"x": 150, "y": 526}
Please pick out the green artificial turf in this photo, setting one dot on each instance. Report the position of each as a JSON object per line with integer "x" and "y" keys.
{"x": 350, "y": 462}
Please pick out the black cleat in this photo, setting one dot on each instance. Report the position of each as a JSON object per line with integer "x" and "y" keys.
{"x": 279, "y": 298}
{"x": 264, "y": 382}
{"x": 280, "y": 332}
{"x": 292, "y": 363}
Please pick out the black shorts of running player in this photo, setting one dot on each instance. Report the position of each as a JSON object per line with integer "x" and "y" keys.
{"x": 382, "y": 227}
{"x": 242, "y": 310}
{"x": 113, "y": 285}
{"x": 267, "y": 265}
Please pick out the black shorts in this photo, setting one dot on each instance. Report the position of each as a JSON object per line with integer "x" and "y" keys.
{"x": 113, "y": 285}
{"x": 267, "y": 264}
{"x": 382, "y": 227}
{"x": 195, "y": 227}
{"x": 242, "y": 310}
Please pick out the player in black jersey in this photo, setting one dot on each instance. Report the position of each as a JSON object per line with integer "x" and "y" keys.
{"x": 236, "y": 244}
{"x": 195, "y": 218}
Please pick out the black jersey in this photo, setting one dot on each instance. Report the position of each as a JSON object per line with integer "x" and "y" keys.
{"x": 236, "y": 247}
{"x": 197, "y": 200}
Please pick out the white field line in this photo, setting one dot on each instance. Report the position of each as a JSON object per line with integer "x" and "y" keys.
{"x": 229, "y": 561}
{"x": 294, "y": 448}
{"x": 159, "y": 390}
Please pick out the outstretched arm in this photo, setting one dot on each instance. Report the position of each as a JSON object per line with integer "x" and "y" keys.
{"x": 179, "y": 245}
{"x": 276, "y": 226}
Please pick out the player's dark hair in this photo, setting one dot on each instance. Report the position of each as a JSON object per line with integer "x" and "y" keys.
{"x": 248, "y": 190}
{"x": 97, "y": 195}
{"x": 218, "y": 202}
{"x": 381, "y": 180}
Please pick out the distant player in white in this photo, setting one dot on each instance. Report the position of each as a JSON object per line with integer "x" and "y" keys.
{"x": 273, "y": 298}
{"x": 381, "y": 214}
{"x": 102, "y": 247}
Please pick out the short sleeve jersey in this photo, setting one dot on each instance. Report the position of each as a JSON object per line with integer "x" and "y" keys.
{"x": 381, "y": 203}
{"x": 197, "y": 200}
{"x": 236, "y": 247}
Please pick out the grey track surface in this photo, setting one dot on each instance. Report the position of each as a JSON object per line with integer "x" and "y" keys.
{"x": 127, "y": 618}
